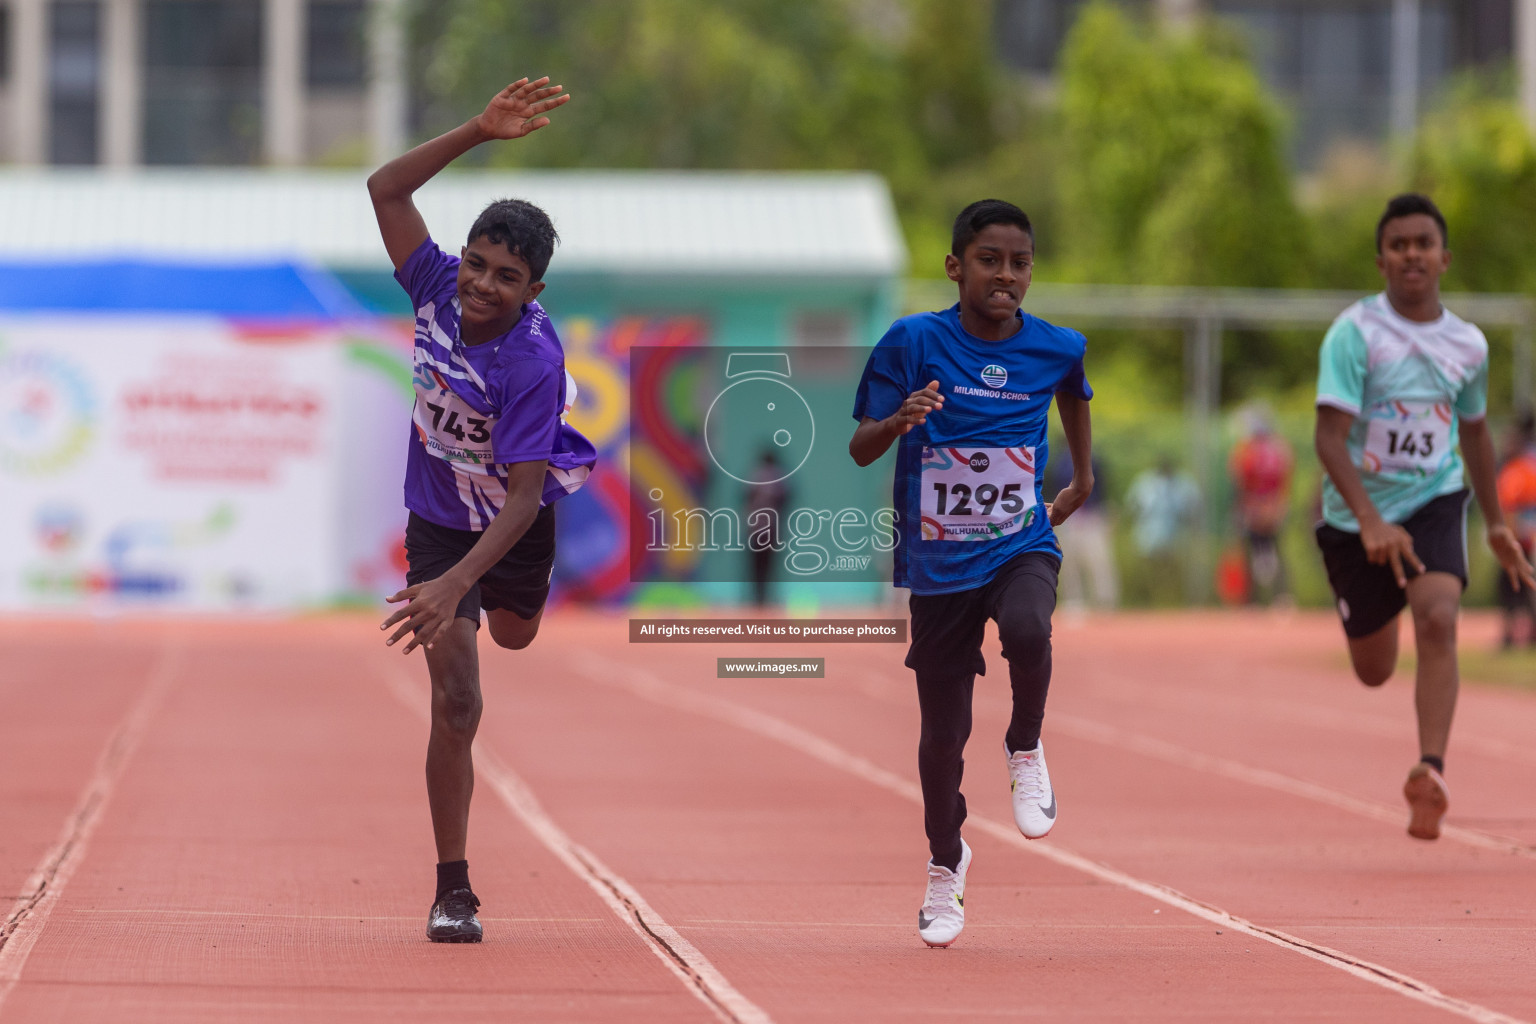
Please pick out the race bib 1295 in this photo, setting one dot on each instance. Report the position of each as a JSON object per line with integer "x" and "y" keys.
{"x": 977, "y": 493}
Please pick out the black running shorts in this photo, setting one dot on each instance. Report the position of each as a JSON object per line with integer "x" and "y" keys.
{"x": 1367, "y": 596}
{"x": 947, "y": 629}
{"x": 518, "y": 583}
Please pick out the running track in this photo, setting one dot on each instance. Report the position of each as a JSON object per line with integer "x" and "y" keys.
{"x": 221, "y": 821}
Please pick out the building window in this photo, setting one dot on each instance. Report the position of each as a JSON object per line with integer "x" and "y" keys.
{"x": 1030, "y": 32}
{"x": 337, "y": 56}
{"x": 202, "y": 81}
{"x": 74, "y": 80}
{"x": 1332, "y": 65}
{"x": 5, "y": 44}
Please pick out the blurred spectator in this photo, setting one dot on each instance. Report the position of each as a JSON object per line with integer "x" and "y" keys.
{"x": 767, "y": 498}
{"x": 1164, "y": 502}
{"x": 1088, "y": 574}
{"x": 1517, "y": 496}
{"x": 1260, "y": 468}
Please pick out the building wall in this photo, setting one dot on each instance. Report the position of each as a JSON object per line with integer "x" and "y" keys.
{"x": 202, "y": 79}
{"x": 1330, "y": 61}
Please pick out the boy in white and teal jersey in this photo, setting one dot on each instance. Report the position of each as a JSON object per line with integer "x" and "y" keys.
{"x": 1406, "y": 384}
{"x": 1402, "y": 385}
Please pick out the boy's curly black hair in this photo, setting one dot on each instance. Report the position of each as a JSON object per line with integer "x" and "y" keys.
{"x": 1408, "y": 204}
{"x": 983, "y": 214}
{"x": 523, "y": 228}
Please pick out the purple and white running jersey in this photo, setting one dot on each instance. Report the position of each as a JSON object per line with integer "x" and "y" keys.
{"x": 480, "y": 407}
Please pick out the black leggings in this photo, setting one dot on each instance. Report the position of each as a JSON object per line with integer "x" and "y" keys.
{"x": 947, "y": 631}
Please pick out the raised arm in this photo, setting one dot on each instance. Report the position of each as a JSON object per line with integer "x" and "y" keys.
{"x": 511, "y": 114}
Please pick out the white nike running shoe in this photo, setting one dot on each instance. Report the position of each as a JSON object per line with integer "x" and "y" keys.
{"x": 1034, "y": 801}
{"x": 943, "y": 912}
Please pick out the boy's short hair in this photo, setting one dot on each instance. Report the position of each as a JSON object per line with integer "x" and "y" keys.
{"x": 1408, "y": 204}
{"x": 983, "y": 214}
{"x": 523, "y": 228}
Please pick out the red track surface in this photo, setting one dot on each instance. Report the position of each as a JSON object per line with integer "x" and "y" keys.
{"x": 228, "y": 822}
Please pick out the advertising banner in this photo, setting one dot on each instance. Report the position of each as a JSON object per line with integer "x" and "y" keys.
{"x": 178, "y": 462}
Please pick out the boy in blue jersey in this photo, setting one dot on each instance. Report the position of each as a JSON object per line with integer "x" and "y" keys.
{"x": 1402, "y": 380}
{"x": 489, "y": 455}
{"x": 964, "y": 393}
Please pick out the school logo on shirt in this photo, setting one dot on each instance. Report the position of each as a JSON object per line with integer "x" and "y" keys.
{"x": 994, "y": 376}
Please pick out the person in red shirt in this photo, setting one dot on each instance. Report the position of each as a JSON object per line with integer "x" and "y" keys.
{"x": 1260, "y": 467}
{"x": 1517, "y": 497}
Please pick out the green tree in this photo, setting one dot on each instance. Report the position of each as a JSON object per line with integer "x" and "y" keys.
{"x": 1172, "y": 171}
{"x": 902, "y": 88}
{"x": 1474, "y": 156}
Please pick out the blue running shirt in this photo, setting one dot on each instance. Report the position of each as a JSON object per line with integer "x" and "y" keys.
{"x": 967, "y": 485}
{"x": 1408, "y": 385}
{"x": 480, "y": 407}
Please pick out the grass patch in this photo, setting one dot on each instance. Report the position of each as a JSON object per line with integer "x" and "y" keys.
{"x": 1481, "y": 665}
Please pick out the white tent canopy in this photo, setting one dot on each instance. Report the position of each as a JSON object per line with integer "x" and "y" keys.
{"x": 642, "y": 223}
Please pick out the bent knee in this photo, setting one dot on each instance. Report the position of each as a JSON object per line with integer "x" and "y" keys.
{"x": 1025, "y": 637}
{"x": 1373, "y": 675}
{"x": 514, "y": 640}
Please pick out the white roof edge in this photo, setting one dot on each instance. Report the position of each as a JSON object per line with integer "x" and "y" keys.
{"x": 694, "y": 223}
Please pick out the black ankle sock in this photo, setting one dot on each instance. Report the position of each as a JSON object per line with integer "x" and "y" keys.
{"x": 952, "y": 861}
{"x": 452, "y": 875}
{"x": 1437, "y": 763}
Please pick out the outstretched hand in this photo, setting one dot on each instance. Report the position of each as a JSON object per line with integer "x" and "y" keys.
{"x": 429, "y": 610}
{"x": 1511, "y": 557}
{"x": 1390, "y": 545}
{"x": 514, "y": 112}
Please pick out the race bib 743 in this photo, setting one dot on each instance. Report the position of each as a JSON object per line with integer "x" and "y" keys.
{"x": 977, "y": 494}
{"x": 449, "y": 427}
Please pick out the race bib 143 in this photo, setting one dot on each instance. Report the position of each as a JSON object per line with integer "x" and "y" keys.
{"x": 1407, "y": 437}
{"x": 977, "y": 493}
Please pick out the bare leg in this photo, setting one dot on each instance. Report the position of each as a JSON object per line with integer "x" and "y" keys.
{"x": 1435, "y": 598}
{"x": 511, "y": 630}
{"x": 1374, "y": 657}
{"x": 454, "y": 662}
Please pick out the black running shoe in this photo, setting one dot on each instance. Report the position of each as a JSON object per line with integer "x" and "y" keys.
{"x": 453, "y": 918}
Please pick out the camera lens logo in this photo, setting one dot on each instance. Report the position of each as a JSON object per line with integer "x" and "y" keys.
{"x": 994, "y": 376}
{"x": 758, "y": 412}
{"x": 47, "y": 413}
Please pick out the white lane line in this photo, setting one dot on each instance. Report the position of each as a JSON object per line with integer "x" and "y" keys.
{"x": 40, "y": 894}
{"x": 1113, "y": 736}
{"x": 681, "y": 957}
{"x": 1086, "y": 729}
{"x": 647, "y": 685}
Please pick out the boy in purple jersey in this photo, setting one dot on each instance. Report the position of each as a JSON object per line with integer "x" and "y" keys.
{"x": 489, "y": 455}
{"x": 965, "y": 395}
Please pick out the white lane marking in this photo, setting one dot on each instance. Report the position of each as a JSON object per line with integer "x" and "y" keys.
{"x": 40, "y": 894}
{"x": 359, "y": 918}
{"x": 1109, "y": 735}
{"x": 681, "y": 957}
{"x": 1086, "y": 729}
{"x": 649, "y": 686}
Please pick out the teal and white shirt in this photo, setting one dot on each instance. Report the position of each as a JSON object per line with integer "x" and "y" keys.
{"x": 1407, "y": 384}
